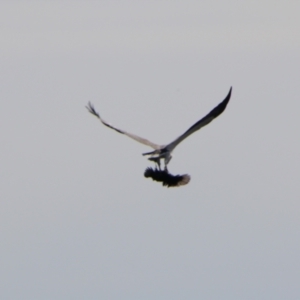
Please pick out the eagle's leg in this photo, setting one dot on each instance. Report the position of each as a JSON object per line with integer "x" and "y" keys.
{"x": 155, "y": 160}
{"x": 167, "y": 160}
{"x": 158, "y": 163}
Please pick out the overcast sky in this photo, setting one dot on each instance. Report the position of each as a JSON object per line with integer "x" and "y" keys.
{"x": 78, "y": 220}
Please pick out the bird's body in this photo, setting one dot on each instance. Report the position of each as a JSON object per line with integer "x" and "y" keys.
{"x": 163, "y": 152}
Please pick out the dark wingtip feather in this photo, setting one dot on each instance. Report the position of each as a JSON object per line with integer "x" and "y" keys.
{"x": 166, "y": 178}
{"x": 221, "y": 107}
{"x": 227, "y": 98}
{"x": 92, "y": 110}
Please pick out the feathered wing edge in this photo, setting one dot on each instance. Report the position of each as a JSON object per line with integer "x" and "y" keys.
{"x": 214, "y": 113}
{"x": 92, "y": 110}
{"x": 201, "y": 123}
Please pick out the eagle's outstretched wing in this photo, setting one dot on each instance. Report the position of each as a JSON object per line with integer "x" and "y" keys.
{"x": 92, "y": 110}
{"x": 204, "y": 121}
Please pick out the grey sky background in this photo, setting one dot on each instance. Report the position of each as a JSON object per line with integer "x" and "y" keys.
{"x": 77, "y": 218}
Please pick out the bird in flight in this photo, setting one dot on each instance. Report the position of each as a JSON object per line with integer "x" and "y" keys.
{"x": 163, "y": 152}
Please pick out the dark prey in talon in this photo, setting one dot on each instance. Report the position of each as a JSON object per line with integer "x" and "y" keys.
{"x": 166, "y": 178}
{"x": 163, "y": 152}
